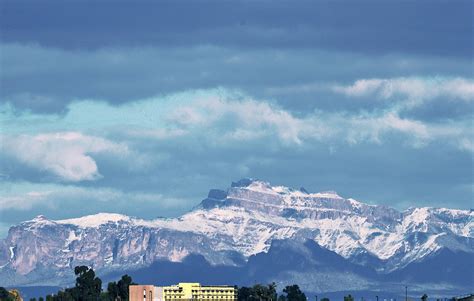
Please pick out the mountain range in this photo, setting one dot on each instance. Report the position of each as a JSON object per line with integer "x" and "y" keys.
{"x": 251, "y": 232}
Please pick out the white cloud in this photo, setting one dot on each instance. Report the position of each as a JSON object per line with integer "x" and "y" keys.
{"x": 246, "y": 119}
{"x": 190, "y": 132}
{"x": 64, "y": 154}
{"x": 25, "y": 201}
{"x": 221, "y": 116}
{"x": 373, "y": 128}
{"x": 313, "y": 87}
{"x": 158, "y": 134}
{"x": 210, "y": 119}
{"x": 414, "y": 91}
{"x": 467, "y": 144}
{"x": 23, "y": 196}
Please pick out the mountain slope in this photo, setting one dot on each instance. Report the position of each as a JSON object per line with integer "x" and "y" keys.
{"x": 285, "y": 261}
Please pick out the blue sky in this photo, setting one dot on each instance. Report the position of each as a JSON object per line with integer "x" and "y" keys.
{"x": 141, "y": 107}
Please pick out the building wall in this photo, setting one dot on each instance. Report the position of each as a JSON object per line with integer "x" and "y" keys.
{"x": 141, "y": 293}
{"x": 158, "y": 294}
{"x": 194, "y": 291}
{"x": 183, "y": 291}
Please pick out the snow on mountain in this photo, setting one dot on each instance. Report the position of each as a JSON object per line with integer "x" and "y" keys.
{"x": 96, "y": 220}
{"x": 240, "y": 221}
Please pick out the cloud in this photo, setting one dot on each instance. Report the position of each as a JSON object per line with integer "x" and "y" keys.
{"x": 25, "y": 201}
{"x": 370, "y": 28}
{"x": 67, "y": 155}
{"x": 364, "y": 128}
{"x": 245, "y": 119}
{"x": 467, "y": 145}
{"x": 411, "y": 91}
{"x": 241, "y": 118}
{"x": 180, "y": 145}
{"x": 216, "y": 117}
{"x": 20, "y": 201}
{"x": 23, "y": 196}
{"x": 154, "y": 110}
{"x": 291, "y": 77}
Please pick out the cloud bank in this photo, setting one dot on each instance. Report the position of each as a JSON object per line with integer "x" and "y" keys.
{"x": 133, "y": 136}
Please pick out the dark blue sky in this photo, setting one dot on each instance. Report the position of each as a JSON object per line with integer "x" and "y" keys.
{"x": 118, "y": 105}
{"x": 372, "y": 27}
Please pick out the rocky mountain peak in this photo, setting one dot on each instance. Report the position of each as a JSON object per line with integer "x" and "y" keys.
{"x": 39, "y": 221}
{"x": 40, "y": 218}
{"x": 244, "y": 182}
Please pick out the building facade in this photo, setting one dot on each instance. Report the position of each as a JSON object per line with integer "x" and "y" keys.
{"x": 182, "y": 291}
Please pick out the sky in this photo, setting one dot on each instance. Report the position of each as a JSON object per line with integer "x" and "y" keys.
{"x": 140, "y": 107}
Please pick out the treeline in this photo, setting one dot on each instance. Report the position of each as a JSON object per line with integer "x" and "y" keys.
{"x": 260, "y": 292}
{"x": 89, "y": 288}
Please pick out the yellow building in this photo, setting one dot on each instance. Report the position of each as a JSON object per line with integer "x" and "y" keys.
{"x": 182, "y": 291}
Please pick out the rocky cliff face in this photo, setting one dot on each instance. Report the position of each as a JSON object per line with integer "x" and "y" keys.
{"x": 230, "y": 226}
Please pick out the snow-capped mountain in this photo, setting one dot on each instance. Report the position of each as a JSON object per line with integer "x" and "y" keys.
{"x": 229, "y": 227}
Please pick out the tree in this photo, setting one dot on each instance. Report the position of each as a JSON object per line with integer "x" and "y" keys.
{"x": 112, "y": 291}
{"x": 119, "y": 290}
{"x": 88, "y": 286}
{"x": 104, "y": 296}
{"x": 348, "y": 298}
{"x": 293, "y": 293}
{"x": 258, "y": 292}
{"x": 5, "y": 295}
{"x": 272, "y": 291}
{"x": 15, "y": 295}
{"x": 244, "y": 293}
{"x": 123, "y": 285}
{"x": 324, "y": 299}
{"x": 424, "y": 297}
{"x": 265, "y": 292}
{"x": 64, "y": 296}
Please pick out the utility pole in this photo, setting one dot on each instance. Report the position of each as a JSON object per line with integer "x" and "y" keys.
{"x": 406, "y": 293}
{"x": 316, "y": 296}
{"x": 377, "y": 298}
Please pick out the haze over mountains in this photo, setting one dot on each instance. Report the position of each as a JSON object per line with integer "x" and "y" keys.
{"x": 255, "y": 232}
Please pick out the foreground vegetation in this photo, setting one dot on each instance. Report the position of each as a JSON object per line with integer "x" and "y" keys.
{"x": 88, "y": 287}
{"x": 260, "y": 292}
{"x": 12, "y": 295}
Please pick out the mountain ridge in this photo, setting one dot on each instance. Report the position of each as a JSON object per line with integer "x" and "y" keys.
{"x": 230, "y": 226}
